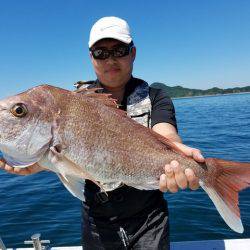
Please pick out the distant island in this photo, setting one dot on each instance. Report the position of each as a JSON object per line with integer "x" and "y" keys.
{"x": 179, "y": 91}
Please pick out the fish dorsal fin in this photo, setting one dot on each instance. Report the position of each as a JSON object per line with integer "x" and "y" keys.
{"x": 85, "y": 90}
{"x": 104, "y": 98}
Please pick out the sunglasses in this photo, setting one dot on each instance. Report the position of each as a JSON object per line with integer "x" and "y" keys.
{"x": 103, "y": 53}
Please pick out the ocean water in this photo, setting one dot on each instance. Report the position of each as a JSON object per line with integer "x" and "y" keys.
{"x": 218, "y": 125}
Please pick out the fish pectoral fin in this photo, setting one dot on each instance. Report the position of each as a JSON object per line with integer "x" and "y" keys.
{"x": 74, "y": 185}
{"x": 55, "y": 154}
{"x": 224, "y": 208}
{"x": 67, "y": 167}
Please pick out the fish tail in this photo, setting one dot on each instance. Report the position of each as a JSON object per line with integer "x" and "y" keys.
{"x": 230, "y": 178}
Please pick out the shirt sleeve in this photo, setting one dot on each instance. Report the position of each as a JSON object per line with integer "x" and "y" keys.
{"x": 162, "y": 107}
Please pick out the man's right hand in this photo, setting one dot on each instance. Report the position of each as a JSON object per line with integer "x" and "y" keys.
{"x": 21, "y": 171}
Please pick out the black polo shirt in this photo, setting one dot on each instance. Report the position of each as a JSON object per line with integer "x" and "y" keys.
{"x": 162, "y": 111}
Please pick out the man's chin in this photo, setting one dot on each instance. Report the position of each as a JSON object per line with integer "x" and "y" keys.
{"x": 114, "y": 82}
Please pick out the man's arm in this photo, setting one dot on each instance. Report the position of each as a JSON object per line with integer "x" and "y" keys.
{"x": 174, "y": 178}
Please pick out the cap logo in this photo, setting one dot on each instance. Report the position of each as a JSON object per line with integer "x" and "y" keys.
{"x": 104, "y": 28}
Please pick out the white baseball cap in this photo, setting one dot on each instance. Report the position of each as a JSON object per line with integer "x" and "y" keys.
{"x": 110, "y": 27}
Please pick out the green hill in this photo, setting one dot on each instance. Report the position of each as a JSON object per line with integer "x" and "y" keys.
{"x": 179, "y": 91}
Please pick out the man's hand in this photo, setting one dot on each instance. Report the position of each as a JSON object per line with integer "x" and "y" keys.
{"x": 175, "y": 178}
{"x": 21, "y": 171}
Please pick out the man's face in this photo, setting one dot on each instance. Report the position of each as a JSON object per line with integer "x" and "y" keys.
{"x": 114, "y": 71}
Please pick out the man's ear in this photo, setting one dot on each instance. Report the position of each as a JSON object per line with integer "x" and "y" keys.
{"x": 133, "y": 51}
{"x": 91, "y": 57}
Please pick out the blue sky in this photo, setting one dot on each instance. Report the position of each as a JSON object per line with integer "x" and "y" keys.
{"x": 193, "y": 43}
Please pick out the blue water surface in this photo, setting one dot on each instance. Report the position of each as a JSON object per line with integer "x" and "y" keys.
{"x": 218, "y": 125}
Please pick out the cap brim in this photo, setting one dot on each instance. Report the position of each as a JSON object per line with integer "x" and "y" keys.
{"x": 125, "y": 39}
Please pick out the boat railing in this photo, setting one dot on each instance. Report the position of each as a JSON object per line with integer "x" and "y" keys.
{"x": 36, "y": 242}
{"x": 2, "y": 246}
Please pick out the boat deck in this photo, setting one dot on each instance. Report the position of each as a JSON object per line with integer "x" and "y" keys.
{"x": 232, "y": 244}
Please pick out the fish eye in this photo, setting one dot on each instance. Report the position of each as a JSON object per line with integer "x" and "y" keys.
{"x": 19, "y": 110}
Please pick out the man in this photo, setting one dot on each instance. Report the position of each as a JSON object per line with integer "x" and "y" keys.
{"x": 128, "y": 218}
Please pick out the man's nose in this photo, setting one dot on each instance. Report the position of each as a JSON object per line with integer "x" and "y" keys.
{"x": 111, "y": 59}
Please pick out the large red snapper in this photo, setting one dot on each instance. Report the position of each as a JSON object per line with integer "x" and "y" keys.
{"x": 84, "y": 136}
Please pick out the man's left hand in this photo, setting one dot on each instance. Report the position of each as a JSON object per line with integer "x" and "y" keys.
{"x": 175, "y": 178}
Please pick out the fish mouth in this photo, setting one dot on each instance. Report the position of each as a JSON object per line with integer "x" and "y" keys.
{"x": 11, "y": 161}
{"x": 17, "y": 162}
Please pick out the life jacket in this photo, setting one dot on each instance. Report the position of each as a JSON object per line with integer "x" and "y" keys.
{"x": 138, "y": 102}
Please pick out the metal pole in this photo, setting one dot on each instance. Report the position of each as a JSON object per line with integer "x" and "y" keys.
{"x": 37, "y": 243}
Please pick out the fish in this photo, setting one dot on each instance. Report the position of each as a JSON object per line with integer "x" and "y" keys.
{"x": 83, "y": 135}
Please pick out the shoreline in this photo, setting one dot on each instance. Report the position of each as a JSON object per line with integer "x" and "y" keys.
{"x": 200, "y": 96}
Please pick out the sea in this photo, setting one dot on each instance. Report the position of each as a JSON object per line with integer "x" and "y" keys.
{"x": 218, "y": 125}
